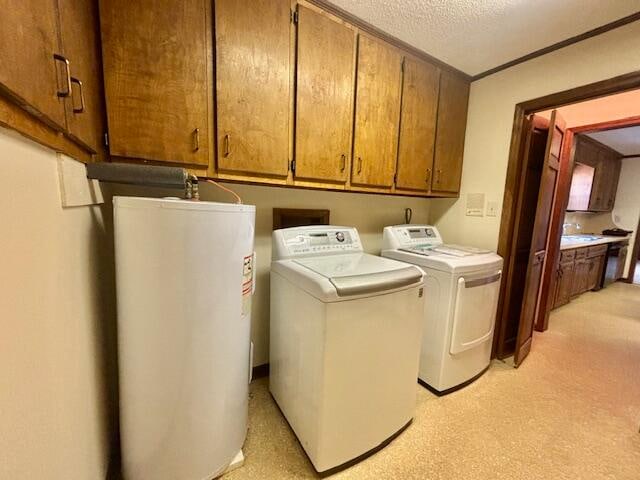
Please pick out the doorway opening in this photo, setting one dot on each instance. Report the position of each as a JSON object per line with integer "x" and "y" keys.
{"x": 537, "y": 191}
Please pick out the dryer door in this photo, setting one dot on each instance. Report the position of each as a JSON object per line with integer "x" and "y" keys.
{"x": 474, "y": 312}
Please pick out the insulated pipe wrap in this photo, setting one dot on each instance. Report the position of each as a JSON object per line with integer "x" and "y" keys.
{"x": 151, "y": 175}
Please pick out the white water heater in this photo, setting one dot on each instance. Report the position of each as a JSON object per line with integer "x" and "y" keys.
{"x": 184, "y": 273}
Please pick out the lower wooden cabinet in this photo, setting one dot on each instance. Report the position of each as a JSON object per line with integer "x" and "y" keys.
{"x": 579, "y": 271}
{"x": 563, "y": 284}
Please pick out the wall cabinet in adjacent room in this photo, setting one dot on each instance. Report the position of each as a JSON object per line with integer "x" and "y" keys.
{"x": 595, "y": 176}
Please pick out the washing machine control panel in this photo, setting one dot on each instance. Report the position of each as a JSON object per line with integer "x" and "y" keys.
{"x": 411, "y": 236}
{"x": 316, "y": 240}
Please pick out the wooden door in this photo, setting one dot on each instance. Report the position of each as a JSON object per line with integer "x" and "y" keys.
{"x": 377, "y": 114}
{"x": 452, "y": 123}
{"x": 79, "y": 27}
{"x": 324, "y": 96}
{"x": 533, "y": 154}
{"x": 29, "y": 72}
{"x": 540, "y": 233}
{"x": 417, "y": 125}
{"x": 157, "y": 79}
{"x": 253, "y": 81}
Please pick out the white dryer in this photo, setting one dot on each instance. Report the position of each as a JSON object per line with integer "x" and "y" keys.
{"x": 462, "y": 285}
{"x": 345, "y": 342}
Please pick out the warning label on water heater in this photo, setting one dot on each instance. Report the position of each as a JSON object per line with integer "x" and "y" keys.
{"x": 247, "y": 283}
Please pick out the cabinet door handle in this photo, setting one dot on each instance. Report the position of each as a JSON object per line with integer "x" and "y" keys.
{"x": 227, "y": 145}
{"x": 343, "y": 162}
{"x": 196, "y": 139}
{"x": 438, "y": 172}
{"x": 359, "y": 164}
{"x": 67, "y": 68}
{"x": 79, "y": 83}
{"x": 428, "y": 177}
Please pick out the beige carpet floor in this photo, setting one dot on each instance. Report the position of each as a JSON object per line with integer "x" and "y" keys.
{"x": 571, "y": 411}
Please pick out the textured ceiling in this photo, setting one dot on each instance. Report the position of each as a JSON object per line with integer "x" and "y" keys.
{"x": 477, "y": 35}
{"x": 624, "y": 140}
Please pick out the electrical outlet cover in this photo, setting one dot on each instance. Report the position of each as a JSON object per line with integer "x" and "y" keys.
{"x": 492, "y": 208}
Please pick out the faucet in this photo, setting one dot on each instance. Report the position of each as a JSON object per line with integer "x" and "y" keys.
{"x": 566, "y": 226}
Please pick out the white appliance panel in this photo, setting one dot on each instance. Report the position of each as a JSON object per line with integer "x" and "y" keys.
{"x": 461, "y": 293}
{"x": 475, "y": 305}
{"x": 183, "y": 335}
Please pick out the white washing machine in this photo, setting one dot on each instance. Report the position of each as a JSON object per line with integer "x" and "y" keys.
{"x": 345, "y": 343}
{"x": 461, "y": 285}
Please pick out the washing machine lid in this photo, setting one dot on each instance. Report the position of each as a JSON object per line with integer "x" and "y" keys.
{"x": 334, "y": 277}
{"x": 463, "y": 261}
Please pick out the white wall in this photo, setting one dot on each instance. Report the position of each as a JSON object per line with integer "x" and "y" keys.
{"x": 626, "y": 211}
{"x": 56, "y": 360}
{"x": 490, "y": 120}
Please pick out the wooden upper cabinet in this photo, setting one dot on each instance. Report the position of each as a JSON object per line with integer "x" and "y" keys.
{"x": 157, "y": 78}
{"x": 377, "y": 113}
{"x": 417, "y": 125}
{"x": 324, "y": 96}
{"x": 452, "y": 122}
{"x": 29, "y": 72}
{"x": 253, "y": 82}
{"x": 79, "y": 26}
{"x": 605, "y": 181}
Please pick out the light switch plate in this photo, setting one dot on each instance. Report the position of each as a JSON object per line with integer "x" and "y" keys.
{"x": 76, "y": 190}
{"x": 492, "y": 208}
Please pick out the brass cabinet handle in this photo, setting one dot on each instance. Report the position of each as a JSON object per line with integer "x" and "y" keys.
{"x": 438, "y": 172}
{"x": 359, "y": 164}
{"x": 227, "y": 147}
{"x": 65, "y": 61}
{"x": 343, "y": 162}
{"x": 428, "y": 177}
{"x": 196, "y": 140}
{"x": 79, "y": 83}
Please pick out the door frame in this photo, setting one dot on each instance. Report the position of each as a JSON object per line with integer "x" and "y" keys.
{"x": 509, "y": 220}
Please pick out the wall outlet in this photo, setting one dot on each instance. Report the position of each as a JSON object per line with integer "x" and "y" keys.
{"x": 492, "y": 208}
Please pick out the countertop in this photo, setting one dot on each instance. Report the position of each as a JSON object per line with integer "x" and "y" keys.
{"x": 568, "y": 243}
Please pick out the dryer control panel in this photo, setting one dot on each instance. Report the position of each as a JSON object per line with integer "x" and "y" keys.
{"x": 410, "y": 236}
{"x": 315, "y": 241}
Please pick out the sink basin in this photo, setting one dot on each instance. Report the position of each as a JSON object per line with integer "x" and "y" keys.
{"x": 579, "y": 238}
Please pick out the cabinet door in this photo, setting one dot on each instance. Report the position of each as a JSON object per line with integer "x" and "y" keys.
{"x": 565, "y": 282}
{"x": 580, "y": 277}
{"x": 622, "y": 259}
{"x": 81, "y": 45}
{"x": 417, "y": 125}
{"x": 595, "y": 272}
{"x": 157, "y": 79}
{"x": 605, "y": 181}
{"x": 29, "y": 72}
{"x": 253, "y": 41}
{"x": 377, "y": 113}
{"x": 324, "y": 96}
{"x": 452, "y": 122}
